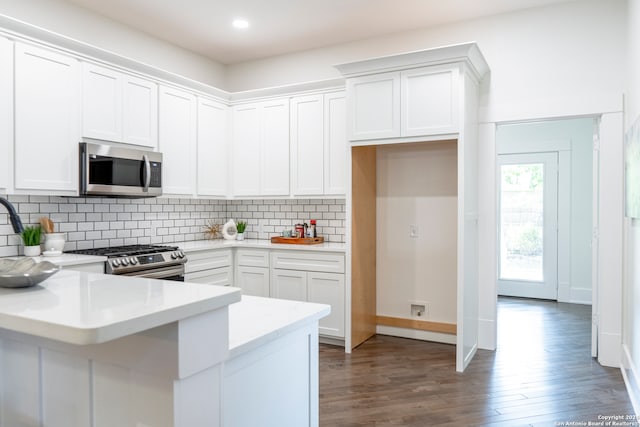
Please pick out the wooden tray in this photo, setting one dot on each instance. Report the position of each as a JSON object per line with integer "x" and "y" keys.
{"x": 298, "y": 240}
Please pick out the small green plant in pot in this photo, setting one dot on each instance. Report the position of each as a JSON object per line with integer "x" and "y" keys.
{"x": 241, "y": 226}
{"x": 31, "y": 240}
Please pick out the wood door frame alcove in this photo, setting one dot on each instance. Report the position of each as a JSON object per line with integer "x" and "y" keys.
{"x": 364, "y": 316}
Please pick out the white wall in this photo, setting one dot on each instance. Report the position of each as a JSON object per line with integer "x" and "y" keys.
{"x": 417, "y": 185}
{"x": 77, "y": 23}
{"x": 631, "y": 290}
{"x": 544, "y": 62}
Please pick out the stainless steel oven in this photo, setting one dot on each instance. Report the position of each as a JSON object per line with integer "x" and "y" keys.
{"x": 155, "y": 262}
{"x": 110, "y": 171}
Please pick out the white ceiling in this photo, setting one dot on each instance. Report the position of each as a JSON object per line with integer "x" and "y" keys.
{"x": 283, "y": 26}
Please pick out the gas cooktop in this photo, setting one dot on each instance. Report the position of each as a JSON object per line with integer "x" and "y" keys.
{"x": 128, "y": 250}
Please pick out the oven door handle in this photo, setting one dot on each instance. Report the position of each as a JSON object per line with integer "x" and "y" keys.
{"x": 147, "y": 173}
{"x": 157, "y": 273}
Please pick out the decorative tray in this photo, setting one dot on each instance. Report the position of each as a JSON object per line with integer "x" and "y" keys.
{"x": 298, "y": 240}
{"x": 24, "y": 272}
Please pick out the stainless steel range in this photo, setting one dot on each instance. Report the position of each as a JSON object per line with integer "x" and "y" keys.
{"x": 152, "y": 261}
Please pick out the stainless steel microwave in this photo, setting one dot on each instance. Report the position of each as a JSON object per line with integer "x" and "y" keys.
{"x": 110, "y": 171}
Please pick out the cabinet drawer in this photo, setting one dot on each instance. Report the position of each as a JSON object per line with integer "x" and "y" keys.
{"x": 308, "y": 261}
{"x": 218, "y": 276}
{"x": 199, "y": 261}
{"x": 252, "y": 257}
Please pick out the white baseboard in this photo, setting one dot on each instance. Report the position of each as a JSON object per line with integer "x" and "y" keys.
{"x": 487, "y": 334}
{"x": 580, "y": 296}
{"x": 416, "y": 334}
{"x": 630, "y": 373}
{"x": 609, "y": 346}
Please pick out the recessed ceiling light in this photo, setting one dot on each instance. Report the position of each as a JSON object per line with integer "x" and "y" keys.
{"x": 240, "y": 23}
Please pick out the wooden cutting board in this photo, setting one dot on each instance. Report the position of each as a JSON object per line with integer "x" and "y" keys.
{"x": 298, "y": 240}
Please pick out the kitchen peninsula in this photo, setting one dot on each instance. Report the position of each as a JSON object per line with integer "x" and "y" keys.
{"x": 90, "y": 349}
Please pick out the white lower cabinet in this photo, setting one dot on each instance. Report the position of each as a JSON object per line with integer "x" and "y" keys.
{"x": 289, "y": 284}
{"x": 212, "y": 267}
{"x": 94, "y": 267}
{"x": 253, "y": 280}
{"x": 312, "y": 277}
{"x": 328, "y": 288}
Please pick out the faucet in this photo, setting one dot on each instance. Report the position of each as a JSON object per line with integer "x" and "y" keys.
{"x": 13, "y": 216}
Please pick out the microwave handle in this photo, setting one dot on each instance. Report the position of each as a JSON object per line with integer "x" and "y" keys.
{"x": 147, "y": 173}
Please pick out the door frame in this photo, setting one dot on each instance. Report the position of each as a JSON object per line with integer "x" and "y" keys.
{"x": 608, "y": 216}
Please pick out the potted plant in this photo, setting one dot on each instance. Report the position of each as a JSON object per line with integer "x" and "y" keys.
{"x": 31, "y": 240}
{"x": 241, "y": 226}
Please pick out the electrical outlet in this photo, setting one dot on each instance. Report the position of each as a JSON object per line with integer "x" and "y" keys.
{"x": 413, "y": 231}
{"x": 419, "y": 310}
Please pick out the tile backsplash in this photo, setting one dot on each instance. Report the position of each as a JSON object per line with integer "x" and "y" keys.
{"x": 99, "y": 222}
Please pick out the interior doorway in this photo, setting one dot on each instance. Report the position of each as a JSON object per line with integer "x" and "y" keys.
{"x": 545, "y": 253}
{"x": 528, "y": 225}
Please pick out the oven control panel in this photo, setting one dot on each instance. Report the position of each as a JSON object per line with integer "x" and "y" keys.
{"x": 126, "y": 264}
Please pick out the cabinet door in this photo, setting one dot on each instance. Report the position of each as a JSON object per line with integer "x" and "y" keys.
{"x": 177, "y": 140}
{"x": 429, "y": 101}
{"x": 246, "y": 150}
{"x": 252, "y": 280}
{"x": 307, "y": 145}
{"x": 275, "y": 148}
{"x": 6, "y": 113}
{"x": 374, "y": 106}
{"x": 335, "y": 144}
{"x": 213, "y": 152}
{"x": 140, "y": 111}
{"x": 101, "y": 103}
{"x": 47, "y": 120}
{"x": 328, "y": 288}
{"x": 289, "y": 284}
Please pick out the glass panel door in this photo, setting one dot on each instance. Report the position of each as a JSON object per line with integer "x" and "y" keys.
{"x": 528, "y": 224}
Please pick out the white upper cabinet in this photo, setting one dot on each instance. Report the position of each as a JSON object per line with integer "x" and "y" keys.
{"x": 213, "y": 148}
{"x": 410, "y": 95}
{"x": 414, "y": 102}
{"x": 47, "y": 120}
{"x": 6, "y": 113}
{"x": 318, "y": 144}
{"x": 275, "y": 148}
{"x": 177, "y": 141}
{"x": 261, "y": 149}
{"x": 101, "y": 103}
{"x": 119, "y": 107}
{"x": 140, "y": 109}
{"x": 374, "y": 106}
{"x": 429, "y": 101}
{"x": 307, "y": 145}
{"x": 246, "y": 150}
{"x": 335, "y": 144}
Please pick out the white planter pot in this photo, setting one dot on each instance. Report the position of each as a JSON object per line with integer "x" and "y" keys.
{"x": 54, "y": 242}
{"x": 240, "y": 236}
{"x": 32, "y": 250}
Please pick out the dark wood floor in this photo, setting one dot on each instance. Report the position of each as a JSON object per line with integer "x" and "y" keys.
{"x": 541, "y": 374}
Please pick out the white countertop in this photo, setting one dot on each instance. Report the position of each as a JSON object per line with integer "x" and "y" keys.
{"x": 85, "y": 308}
{"x": 202, "y": 245}
{"x": 255, "y": 320}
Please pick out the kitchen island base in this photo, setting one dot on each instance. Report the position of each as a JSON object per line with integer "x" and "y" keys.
{"x": 250, "y": 363}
